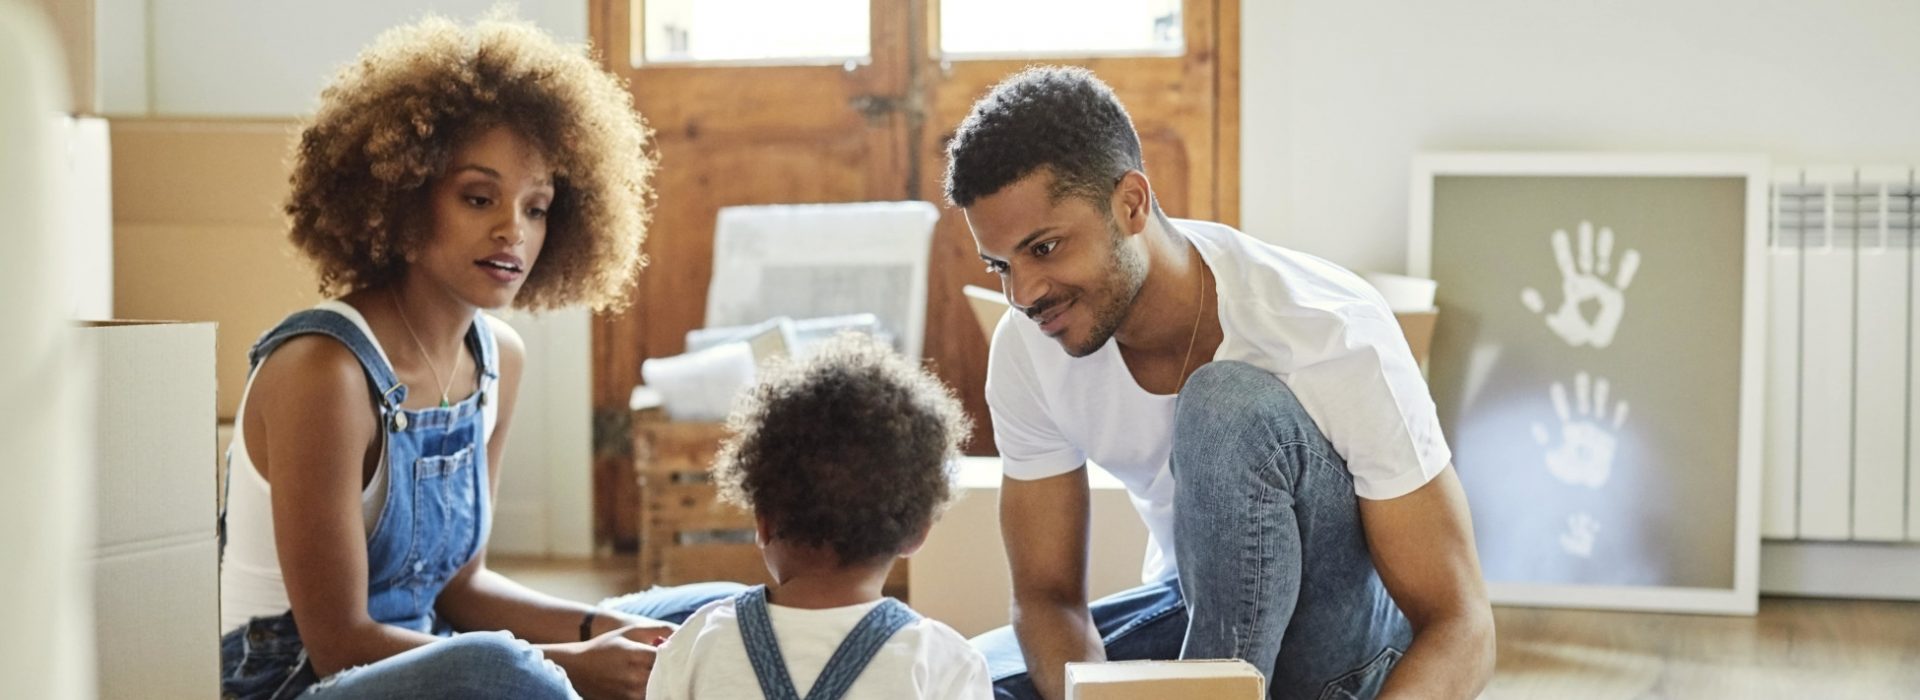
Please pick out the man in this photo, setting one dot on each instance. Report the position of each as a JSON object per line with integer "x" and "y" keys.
{"x": 1260, "y": 405}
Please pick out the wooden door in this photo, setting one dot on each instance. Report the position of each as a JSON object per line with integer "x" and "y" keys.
{"x": 865, "y": 130}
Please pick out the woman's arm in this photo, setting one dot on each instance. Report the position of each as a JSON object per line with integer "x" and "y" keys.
{"x": 481, "y": 599}
{"x": 313, "y": 409}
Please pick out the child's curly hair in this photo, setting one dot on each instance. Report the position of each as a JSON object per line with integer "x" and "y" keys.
{"x": 852, "y": 450}
{"x": 388, "y": 123}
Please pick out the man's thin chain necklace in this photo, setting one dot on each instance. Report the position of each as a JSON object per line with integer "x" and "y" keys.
{"x": 1197, "y": 315}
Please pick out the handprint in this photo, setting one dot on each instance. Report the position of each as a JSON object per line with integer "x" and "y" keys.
{"x": 1584, "y": 280}
{"x": 1578, "y": 539}
{"x": 1584, "y": 456}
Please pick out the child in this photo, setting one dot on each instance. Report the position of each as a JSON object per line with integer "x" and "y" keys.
{"x": 451, "y": 170}
{"x": 844, "y": 462}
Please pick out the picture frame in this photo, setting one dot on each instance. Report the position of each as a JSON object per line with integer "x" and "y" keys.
{"x": 1599, "y": 369}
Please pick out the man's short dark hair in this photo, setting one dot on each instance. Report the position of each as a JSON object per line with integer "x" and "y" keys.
{"x": 1059, "y": 118}
{"x": 851, "y": 450}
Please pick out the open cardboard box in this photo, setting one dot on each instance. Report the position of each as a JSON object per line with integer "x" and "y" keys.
{"x": 1418, "y": 327}
{"x": 155, "y": 559}
{"x": 960, "y": 575}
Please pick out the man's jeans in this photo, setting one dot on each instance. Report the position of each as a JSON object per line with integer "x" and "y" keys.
{"x": 1274, "y": 567}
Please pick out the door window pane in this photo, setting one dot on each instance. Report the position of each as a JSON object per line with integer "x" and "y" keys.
{"x": 1059, "y": 27}
{"x": 777, "y": 31}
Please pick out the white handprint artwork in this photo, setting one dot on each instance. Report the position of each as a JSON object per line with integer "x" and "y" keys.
{"x": 1585, "y": 454}
{"x": 1583, "y": 279}
{"x": 1578, "y": 538}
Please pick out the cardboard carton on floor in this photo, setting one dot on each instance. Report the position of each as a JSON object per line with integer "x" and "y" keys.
{"x": 1418, "y": 325}
{"x": 156, "y": 601}
{"x": 1224, "y": 679}
{"x": 960, "y": 576}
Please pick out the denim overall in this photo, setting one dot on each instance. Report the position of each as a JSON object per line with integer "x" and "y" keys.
{"x": 859, "y": 648}
{"x": 435, "y": 519}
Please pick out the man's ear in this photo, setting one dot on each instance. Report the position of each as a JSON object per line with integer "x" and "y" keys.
{"x": 1133, "y": 202}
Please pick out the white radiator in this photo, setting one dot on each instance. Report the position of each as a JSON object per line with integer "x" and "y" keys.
{"x": 1842, "y": 456}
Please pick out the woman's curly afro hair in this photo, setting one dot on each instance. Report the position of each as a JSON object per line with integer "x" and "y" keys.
{"x": 389, "y": 122}
{"x": 850, "y": 451}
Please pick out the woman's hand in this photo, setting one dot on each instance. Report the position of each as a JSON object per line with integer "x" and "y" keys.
{"x": 612, "y": 666}
{"x": 644, "y": 630}
{"x": 654, "y": 634}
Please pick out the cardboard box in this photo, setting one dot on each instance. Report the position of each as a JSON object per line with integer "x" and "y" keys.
{"x": 1226, "y": 679}
{"x": 198, "y": 233}
{"x": 960, "y": 577}
{"x": 155, "y": 562}
{"x": 1418, "y": 325}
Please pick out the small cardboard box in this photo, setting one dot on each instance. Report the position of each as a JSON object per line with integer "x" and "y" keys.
{"x": 156, "y": 598}
{"x": 960, "y": 576}
{"x": 1418, "y": 325}
{"x": 1224, "y": 679}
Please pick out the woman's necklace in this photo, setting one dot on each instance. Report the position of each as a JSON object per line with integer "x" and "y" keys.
{"x": 456, "y": 355}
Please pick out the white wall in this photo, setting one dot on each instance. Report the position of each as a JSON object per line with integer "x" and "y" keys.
{"x": 46, "y": 508}
{"x": 1337, "y": 95}
{"x": 546, "y": 486}
{"x": 260, "y": 58}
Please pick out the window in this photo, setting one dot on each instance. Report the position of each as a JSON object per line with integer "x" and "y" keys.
{"x": 1059, "y": 27}
{"x": 777, "y": 31}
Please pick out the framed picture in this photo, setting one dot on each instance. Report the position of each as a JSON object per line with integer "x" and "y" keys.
{"x": 1598, "y": 369}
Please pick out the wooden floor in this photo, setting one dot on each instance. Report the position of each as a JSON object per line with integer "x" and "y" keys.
{"x": 1795, "y": 647}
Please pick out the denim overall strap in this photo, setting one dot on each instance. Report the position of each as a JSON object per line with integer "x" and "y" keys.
{"x": 842, "y": 669}
{"x": 859, "y": 648}
{"x": 386, "y": 387}
{"x": 763, "y": 651}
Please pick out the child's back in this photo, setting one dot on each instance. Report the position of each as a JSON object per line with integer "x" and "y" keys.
{"x": 709, "y": 657}
{"x": 845, "y": 462}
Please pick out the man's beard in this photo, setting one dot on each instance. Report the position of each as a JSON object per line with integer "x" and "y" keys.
{"x": 1126, "y": 273}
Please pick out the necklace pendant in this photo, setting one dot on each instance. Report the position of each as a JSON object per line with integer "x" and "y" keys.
{"x": 443, "y": 402}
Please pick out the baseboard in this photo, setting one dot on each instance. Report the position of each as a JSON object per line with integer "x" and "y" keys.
{"x": 1840, "y": 569}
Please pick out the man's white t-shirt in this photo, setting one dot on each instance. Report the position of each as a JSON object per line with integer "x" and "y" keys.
{"x": 707, "y": 658}
{"x": 1319, "y": 328}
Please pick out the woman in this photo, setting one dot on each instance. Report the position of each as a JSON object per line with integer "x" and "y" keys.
{"x": 450, "y": 170}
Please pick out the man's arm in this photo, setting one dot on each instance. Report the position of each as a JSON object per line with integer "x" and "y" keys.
{"x": 1422, "y": 544}
{"x": 1044, "y": 523}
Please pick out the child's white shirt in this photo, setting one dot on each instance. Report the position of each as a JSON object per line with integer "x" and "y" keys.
{"x": 707, "y": 658}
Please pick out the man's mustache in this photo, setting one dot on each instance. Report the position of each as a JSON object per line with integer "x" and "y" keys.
{"x": 1040, "y": 308}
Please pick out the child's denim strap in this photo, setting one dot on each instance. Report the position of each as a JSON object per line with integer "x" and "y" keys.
{"x": 859, "y": 648}
{"x": 763, "y": 651}
{"x": 847, "y": 662}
